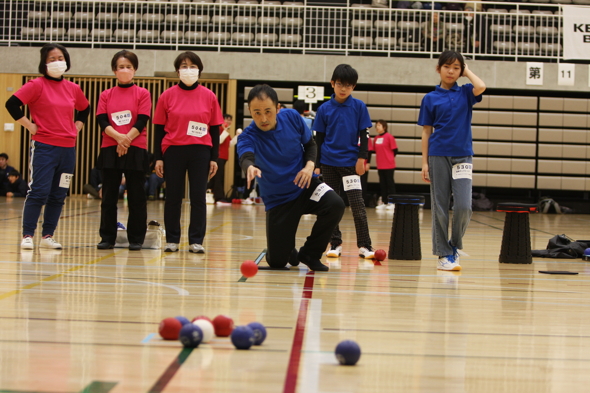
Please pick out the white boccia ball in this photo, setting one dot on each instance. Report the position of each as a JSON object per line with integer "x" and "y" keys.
{"x": 207, "y": 328}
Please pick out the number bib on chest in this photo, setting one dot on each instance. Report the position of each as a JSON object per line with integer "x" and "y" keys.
{"x": 379, "y": 141}
{"x": 352, "y": 182}
{"x": 319, "y": 192}
{"x": 462, "y": 171}
{"x": 65, "y": 180}
{"x": 121, "y": 118}
{"x": 196, "y": 129}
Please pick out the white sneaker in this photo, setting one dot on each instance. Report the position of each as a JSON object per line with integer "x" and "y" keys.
{"x": 390, "y": 206}
{"x": 448, "y": 263}
{"x": 49, "y": 242}
{"x": 27, "y": 243}
{"x": 334, "y": 251}
{"x": 199, "y": 249}
{"x": 171, "y": 247}
{"x": 381, "y": 207}
{"x": 366, "y": 252}
{"x": 247, "y": 201}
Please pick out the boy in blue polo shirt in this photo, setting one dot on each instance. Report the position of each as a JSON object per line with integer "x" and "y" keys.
{"x": 340, "y": 124}
{"x": 447, "y": 154}
{"x": 278, "y": 149}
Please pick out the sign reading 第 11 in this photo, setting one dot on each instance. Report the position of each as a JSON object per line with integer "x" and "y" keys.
{"x": 311, "y": 94}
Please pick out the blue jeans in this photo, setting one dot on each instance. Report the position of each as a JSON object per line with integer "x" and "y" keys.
{"x": 442, "y": 186}
{"x": 154, "y": 184}
{"x": 47, "y": 165}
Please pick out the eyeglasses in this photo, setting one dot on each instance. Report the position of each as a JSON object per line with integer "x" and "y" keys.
{"x": 342, "y": 86}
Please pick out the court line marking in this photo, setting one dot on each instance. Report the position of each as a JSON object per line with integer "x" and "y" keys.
{"x": 148, "y": 338}
{"x": 295, "y": 357}
{"x": 256, "y": 261}
{"x": 171, "y": 371}
{"x": 54, "y": 276}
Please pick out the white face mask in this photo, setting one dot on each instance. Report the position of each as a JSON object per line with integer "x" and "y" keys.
{"x": 189, "y": 76}
{"x": 56, "y": 69}
{"x": 468, "y": 18}
{"x": 125, "y": 75}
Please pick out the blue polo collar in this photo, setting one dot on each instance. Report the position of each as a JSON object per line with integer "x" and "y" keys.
{"x": 348, "y": 101}
{"x": 454, "y": 88}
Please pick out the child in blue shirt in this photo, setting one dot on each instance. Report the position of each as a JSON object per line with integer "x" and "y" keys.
{"x": 277, "y": 149}
{"x": 447, "y": 154}
{"x": 340, "y": 124}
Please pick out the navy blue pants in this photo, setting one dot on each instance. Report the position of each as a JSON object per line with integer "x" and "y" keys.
{"x": 47, "y": 165}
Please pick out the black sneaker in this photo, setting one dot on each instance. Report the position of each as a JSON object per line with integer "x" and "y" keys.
{"x": 105, "y": 246}
{"x": 293, "y": 261}
{"x": 135, "y": 246}
{"x": 313, "y": 264}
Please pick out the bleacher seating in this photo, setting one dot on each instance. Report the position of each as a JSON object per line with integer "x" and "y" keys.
{"x": 509, "y": 29}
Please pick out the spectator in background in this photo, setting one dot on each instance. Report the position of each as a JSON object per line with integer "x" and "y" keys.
{"x": 217, "y": 182}
{"x": 434, "y": 34}
{"x": 93, "y": 189}
{"x": 475, "y": 32}
{"x": 17, "y": 187}
{"x": 5, "y": 169}
{"x": 385, "y": 148}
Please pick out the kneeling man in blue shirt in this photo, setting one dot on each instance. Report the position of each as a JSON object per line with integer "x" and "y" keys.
{"x": 278, "y": 149}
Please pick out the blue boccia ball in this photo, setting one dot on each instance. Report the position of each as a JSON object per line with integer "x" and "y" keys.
{"x": 242, "y": 337}
{"x": 348, "y": 352}
{"x": 587, "y": 251}
{"x": 190, "y": 336}
{"x": 183, "y": 321}
{"x": 259, "y": 332}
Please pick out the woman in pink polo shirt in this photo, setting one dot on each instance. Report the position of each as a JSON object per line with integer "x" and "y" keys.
{"x": 385, "y": 149}
{"x": 186, "y": 121}
{"x": 51, "y": 100}
{"x": 122, "y": 114}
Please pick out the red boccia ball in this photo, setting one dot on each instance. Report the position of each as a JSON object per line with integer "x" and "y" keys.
{"x": 249, "y": 268}
{"x": 380, "y": 255}
{"x": 201, "y": 317}
{"x": 223, "y": 325}
{"x": 170, "y": 328}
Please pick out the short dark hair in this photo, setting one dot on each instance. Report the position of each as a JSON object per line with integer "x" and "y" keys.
{"x": 4, "y": 155}
{"x": 14, "y": 173}
{"x": 196, "y": 60}
{"x": 132, "y": 57}
{"x": 383, "y": 123}
{"x": 262, "y": 92}
{"x": 45, "y": 51}
{"x": 344, "y": 73}
{"x": 449, "y": 57}
{"x": 228, "y": 116}
{"x": 299, "y": 106}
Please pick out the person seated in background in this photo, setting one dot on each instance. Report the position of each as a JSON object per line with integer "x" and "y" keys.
{"x": 434, "y": 34}
{"x": 17, "y": 187}
{"x": 93, "y": 189}
{"x": 5, "y": 169}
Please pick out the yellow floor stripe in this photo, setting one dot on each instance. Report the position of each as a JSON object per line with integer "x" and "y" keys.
{"x": 51, "y": 278}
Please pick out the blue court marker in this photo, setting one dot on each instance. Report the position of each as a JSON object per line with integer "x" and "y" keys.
{"x": 170, "y": 371}
{"x": 148, "y": 338}
{"x": 256, "y": 261}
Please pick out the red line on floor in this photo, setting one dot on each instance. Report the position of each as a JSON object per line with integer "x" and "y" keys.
{"x": 293, "y": 367}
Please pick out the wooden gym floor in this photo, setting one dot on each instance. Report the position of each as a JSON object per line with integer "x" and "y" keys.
{"x": 84, "y": 320}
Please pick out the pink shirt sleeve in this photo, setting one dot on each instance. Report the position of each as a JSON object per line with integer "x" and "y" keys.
{"x": 216, "y": 117}
{"x": 102, "y": 102}
{"x": 29, "y": 92}
{"x": 161, "y": 108}
{"x": 144, "y": 106}
{"x": 81, "y": 100}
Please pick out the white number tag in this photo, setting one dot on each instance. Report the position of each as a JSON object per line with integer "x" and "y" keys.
{"x": 379, "y": 141}
{"x": 196, "y": 129}
{"x": 65, "y": 180}
{"x": 319, "y": 192}
{"x": 462, "y": 171}
{"x": 121, "y": 118}
{"x": 352, "y": 182}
